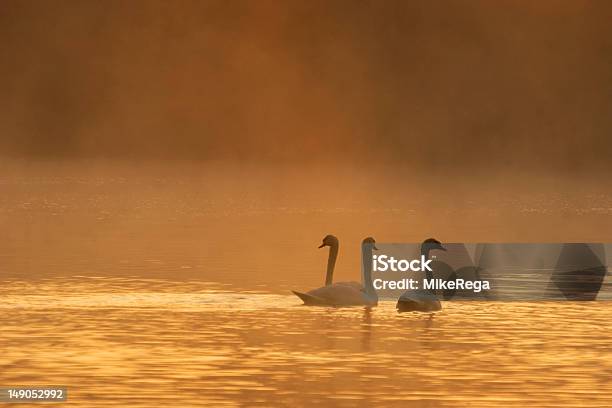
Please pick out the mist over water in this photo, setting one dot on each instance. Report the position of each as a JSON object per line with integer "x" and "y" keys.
{"x": 459, "y": 84}
{"x": 260, "y": 225}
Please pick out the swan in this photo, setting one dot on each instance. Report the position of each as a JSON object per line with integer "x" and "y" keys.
{"x": 421, "y": 300}
{"x": 343, "y": 293}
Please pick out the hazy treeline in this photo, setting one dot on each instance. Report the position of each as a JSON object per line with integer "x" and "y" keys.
{"x": 452, "y": 83}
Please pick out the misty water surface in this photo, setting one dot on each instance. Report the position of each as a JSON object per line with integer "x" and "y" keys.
{"x": 147, "y": 284}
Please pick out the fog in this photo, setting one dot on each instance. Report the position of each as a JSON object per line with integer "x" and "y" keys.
{"x": 433, "y": 85}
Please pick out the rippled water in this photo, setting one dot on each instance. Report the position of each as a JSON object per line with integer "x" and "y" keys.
{"x": 148, "y": 288}
{"x": 135, "y": 342}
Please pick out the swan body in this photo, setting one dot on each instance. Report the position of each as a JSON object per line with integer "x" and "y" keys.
{"x": 422, "y": 300}
{"x": 337, "y": 294}
{"x": 342, "y": 293}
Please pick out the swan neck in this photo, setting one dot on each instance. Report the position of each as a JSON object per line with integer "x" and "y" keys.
{"x": 331, "y": 263}
{"x": 425, "y": 252}
{"x": 366, "y": 265}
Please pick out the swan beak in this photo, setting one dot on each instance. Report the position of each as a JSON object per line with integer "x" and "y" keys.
{"x": 321, "y": 246}
{"x": 374, "y": 247}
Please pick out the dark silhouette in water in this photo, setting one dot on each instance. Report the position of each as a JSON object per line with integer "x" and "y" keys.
{"x": 343, "y": 293}
{"x": 463, "y": 273}
{"x": 579, "y": 272}
{"x": 422, "y": 300}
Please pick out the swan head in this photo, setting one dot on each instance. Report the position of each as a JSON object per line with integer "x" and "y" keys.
{"x": 329, "y": 241}
{"x": 369, "y": 241}
{"x": 432, "y": 243}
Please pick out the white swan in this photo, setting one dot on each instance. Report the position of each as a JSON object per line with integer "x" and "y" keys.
{"x": 343, "y": 293}
{"x": 421, "y": 300}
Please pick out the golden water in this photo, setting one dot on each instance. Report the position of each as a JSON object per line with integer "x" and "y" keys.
{"x": 133, "y": 342}
{"x": 161, "y": 289}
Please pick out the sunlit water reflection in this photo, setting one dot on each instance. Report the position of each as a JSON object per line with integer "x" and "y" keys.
{"x": 170, "y": 286}
{"x": 122, "y": 341}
